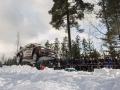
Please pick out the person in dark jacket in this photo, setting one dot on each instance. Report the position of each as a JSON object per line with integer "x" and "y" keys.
{"x": 113, "y": 63}
{"x": 117, "y": 63}
{"x": 95, "y": 63}
{"x": 102, "y": 63}
{"x": 77, "y": 64}
{"x": 80, "y": 64}
{"x": 71, "y": 62}
{"x": 74, "y": 63}
{"x": 68, "y": 62}
{"x": 40, "y": 64}
{"x": 64, "y": 63}
{"x": 83, "y": 67}
{"x": 61, "y": 63}
{"x": 90, "y": 65}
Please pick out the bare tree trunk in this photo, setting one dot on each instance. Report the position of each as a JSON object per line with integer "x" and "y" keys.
{"x": 68, "y": 28}
{"x": 18, "y": 41}
{"x": 3, "y": 58}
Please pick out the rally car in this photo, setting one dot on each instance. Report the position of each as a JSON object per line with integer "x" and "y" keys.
{"x": 31, "y": 53}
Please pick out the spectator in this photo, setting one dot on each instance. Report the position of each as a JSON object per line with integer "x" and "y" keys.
{"x": 68, "y": 62}
{"x": 58, "y": 64}
{"x": 113, "y": 63}
{"x": 102, "y": 63}
{"x": 61, "y": 62}
{"x": 72, "y": 61}
{"x": 117, "y": 62}
{"x": 64, "y": 63}
{"x": 85, "y": 64}
{"x": 80, "y": 64}
{"x": 94, "y": 63}
{"x": 109, "y": 62}
{"x": 39, "y": 64}
{"x": 90, "y": 65}
{"x": 43, "y": 66}
{"x": 77, "y": 64}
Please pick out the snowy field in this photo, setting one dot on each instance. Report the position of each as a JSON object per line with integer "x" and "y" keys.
{"x": 29, "y": 78}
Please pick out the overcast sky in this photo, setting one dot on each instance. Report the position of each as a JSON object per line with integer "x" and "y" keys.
{"x": 31, "y": 19}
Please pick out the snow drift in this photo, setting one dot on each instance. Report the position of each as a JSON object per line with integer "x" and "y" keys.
{"x": 29, "y": 78}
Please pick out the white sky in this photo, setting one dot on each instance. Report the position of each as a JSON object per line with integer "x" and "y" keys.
{"x": 29, "y": 78}
{"x": 31, "y": 19}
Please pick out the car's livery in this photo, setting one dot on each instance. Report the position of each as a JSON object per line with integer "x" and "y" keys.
{"x": 33, "y": 52}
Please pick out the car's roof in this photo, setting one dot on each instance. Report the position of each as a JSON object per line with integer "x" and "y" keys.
{"x": 36, "y": 44}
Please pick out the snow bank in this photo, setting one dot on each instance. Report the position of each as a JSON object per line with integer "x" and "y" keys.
{"x": 107, "y": 72}
{"x": 29, "y": 78}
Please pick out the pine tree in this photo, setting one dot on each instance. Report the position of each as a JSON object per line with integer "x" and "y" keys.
{"x": 110, "y": 14}
{"x": 14, "y": 62}
{"x": 84, "y": 47}
{"x": 76, "y": 47}
{"x": 94, "y": 54}
{"x": 90, "y": 45}
{"x": 64, "y": 47}
{"x": 47, "y": 44}
{"x": 63, "y": 12}
{"x": 51, "y": 46}
{"x": 57, "y": 45}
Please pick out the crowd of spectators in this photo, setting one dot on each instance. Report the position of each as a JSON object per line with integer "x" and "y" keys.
{"x": 86, "y": 64}
{"x": 82, "y": 64}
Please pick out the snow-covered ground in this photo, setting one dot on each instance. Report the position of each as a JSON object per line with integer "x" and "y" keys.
{"x": 29, "y": 78}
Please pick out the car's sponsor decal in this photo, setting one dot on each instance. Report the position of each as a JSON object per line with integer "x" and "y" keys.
{"x": 28, "y": 51}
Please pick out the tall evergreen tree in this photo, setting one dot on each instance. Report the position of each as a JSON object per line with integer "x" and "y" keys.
{"x": 76, "y": 47}
{"x": 110, "y": 16}
{"x": 94, "y": 54}
{"x": 63, "y": 10}
{"x": 57, "y": 45}
{"x": 90, "y": 45}
{"x": 51, "y": 46}
{"x": 64, "y": 47}
{"x": 77, "y": 40}
{"x": 84, "y": 47}
{"x": 13, "y": 61}
{"x": 47, "y": 44}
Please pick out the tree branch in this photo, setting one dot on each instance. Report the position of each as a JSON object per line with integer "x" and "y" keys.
{"x": 96, "y": 28}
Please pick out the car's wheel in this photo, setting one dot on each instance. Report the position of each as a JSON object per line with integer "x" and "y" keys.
{"x": 18, "y": 60}
{"x": 35, "y": 58}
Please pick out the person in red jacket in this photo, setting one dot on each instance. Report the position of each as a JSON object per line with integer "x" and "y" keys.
{"x": 43, "y": 66}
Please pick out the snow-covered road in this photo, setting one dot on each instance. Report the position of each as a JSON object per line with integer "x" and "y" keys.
{"x": 29, "y": 78}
